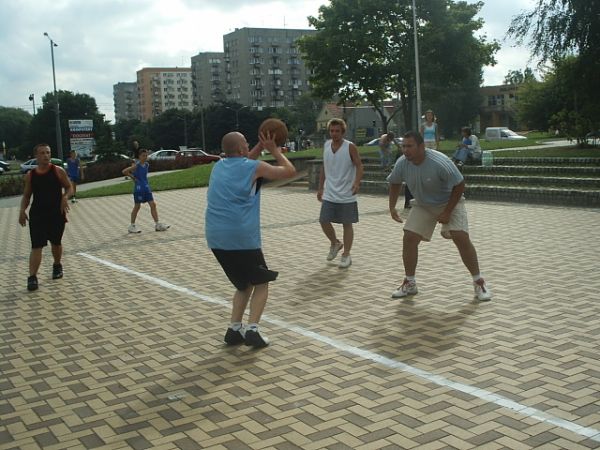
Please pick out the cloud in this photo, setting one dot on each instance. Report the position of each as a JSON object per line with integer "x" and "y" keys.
{"x": 102, "y": 42}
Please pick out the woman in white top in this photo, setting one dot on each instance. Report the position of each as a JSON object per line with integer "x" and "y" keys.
{"x": 429, "y": 131}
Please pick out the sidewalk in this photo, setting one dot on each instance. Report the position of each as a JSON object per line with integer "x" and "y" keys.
{"x": 126, "y": 350}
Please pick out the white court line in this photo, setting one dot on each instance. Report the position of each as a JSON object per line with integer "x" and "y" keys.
{"x": 482, "y": 394}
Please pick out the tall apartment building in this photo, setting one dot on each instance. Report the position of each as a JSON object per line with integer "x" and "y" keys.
{"x": 208, "y": 78}
{"x": 125, "y": 97}
{"x": 263, "y": 67}
{"x": 162, "y": 88}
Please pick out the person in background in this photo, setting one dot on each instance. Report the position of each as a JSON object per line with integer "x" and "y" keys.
{"x": 468, "y": 148}
{"x": 386, "y": 141}
{"x": 142, "y": 192}
{"x": 430, "y": 131}
{"x": 75, "y": 172}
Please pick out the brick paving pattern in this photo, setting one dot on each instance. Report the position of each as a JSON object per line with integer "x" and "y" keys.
{"x": 105, "y": 358}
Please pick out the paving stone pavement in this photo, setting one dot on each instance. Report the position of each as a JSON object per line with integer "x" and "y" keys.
{"x": 126, "y": 351}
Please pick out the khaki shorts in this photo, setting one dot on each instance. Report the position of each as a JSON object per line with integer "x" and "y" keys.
{"x": 422, "y": 220}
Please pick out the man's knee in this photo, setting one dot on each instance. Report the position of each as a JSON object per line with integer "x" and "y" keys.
{"x": 410, "y": 237}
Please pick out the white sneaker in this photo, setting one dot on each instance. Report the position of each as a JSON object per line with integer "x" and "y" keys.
{"x": 482, "y": 292}
{"x": 161, "y": 227}
{"x": 133, "y": 229}
{"x": 407, "y": 288}
{"x": 334, "y": 250}
{"x": 345, "y": 262}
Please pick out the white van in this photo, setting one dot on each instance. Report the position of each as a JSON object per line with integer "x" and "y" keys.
{"x": 501, "y": 134}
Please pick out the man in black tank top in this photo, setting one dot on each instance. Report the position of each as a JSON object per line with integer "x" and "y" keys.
{"x": 50, "y": 188}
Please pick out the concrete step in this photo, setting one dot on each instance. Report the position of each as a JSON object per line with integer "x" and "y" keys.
{"x": 516, "y": 161}
{"x": 533, "y": 181}
{"x": 583, "y": 171}
{"x": 542, "y": 195}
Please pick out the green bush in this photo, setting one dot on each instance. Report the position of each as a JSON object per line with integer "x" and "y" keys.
{"x": 11, "y": 185}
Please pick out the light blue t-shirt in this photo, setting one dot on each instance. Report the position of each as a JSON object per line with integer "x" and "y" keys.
{"x": 430, "y": 182}
{"x": 232, "y": 220}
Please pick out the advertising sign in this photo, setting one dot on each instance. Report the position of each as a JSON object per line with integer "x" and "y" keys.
{"x": 82, "y": 137}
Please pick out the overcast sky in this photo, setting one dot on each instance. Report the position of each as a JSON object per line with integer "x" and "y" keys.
{"x": 102, "y": 42}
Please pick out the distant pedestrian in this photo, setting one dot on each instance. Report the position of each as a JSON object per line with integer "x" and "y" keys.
{"x": 142, "y": 192}
{"x": 339, "y": 183}
{"x": 75, "y": 172}
{"x": 386, "y": 142}
{"x": 430, "y": 131}
{"x": 468, "y": 148}
{"x": 232, "y": 228}
{"x": 51, "y": 189}
{"x": 438, "y": 188}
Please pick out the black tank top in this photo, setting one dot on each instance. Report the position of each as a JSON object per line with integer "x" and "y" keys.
{"x": 47, "y": 193}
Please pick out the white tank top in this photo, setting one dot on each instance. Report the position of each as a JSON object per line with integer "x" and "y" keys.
{"x": 340, "y": 173}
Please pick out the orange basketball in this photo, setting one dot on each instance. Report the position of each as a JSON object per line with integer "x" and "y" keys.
{"x": 277, "y": 128}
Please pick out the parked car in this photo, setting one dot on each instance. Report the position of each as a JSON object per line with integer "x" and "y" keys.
{"x": 375, "y": 141}
{"x": 108, "y": 158}
{"x": 198, "y": 156}
{"x": 163, "y": 155}
{"x": 4, "y": 166}
{"x": 32, "y": 164}
{"x": 501, "y": 134}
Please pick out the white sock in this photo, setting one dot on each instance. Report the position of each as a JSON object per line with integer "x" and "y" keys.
{"x": 410, "y": 278}
{"x": 252, "y": 326}
{"x": 235, "y": 326}
{"x": 476, "y": 277}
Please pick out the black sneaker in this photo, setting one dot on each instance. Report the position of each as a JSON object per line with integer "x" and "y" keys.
{"x": 57, "y": 271}
{"x": 254, "y": 339}
{"x": 233, "y": 337}
{"x": 32, "y": 283}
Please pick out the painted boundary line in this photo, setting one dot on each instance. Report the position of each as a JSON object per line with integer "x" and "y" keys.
{"x": 482, "y": 394}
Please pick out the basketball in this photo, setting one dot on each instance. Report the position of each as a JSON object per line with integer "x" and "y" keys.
{"x": 277, "y": 128}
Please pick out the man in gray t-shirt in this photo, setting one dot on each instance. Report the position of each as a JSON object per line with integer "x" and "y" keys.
{"x": 437, "y": 186}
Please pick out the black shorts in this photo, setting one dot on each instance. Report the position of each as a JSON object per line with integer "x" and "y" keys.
{"x": 245, "y": 267}
{"x": 46, "y": 229}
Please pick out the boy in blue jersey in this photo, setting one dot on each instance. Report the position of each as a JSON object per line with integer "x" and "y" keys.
{"x": 142, "y": 192}
{"x": 232, "y": 228}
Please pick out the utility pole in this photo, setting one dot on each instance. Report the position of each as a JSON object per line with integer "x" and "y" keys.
{"x": 59, "y": 148}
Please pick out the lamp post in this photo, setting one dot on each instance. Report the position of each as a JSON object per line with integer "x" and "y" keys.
{"x": 417, "y": 74}
{"x": 237, "y": 116}
{"x": 32, "y": 99}
{"x": 56, "y": 105}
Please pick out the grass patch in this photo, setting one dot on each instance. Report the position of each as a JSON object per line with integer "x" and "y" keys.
{"x": 196, "y": 176}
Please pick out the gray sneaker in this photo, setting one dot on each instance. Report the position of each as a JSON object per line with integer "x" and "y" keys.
{"x": 334, "y": 250}
{"x": 345, "y": 262}
{"x": 407, "y": 288}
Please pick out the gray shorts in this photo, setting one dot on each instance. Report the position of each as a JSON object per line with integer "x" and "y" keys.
{"x": 338, "y": 212}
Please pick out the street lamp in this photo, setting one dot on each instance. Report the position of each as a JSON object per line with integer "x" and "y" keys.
{"x": 417, "y": 75}
{"x": 56, "y": 105}
{"x": 32, "y": 99}
{"x": 237, "y": 115}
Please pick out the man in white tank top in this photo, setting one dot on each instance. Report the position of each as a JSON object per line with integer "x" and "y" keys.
{"x": 339, "y": 183}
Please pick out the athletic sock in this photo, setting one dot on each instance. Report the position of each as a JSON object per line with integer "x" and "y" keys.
{"x": 477, "y": 277}
{"x": 235, "y": 326}
{"x": 410, "y": 278}
{"x": 252, "y": 326}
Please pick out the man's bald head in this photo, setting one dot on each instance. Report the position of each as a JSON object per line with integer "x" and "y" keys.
{"x": 233, "y": 143}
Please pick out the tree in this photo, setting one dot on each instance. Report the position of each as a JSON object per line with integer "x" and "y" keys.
{"x": 557, "y": 28}
{"x": 14, "y": 123}
{"x": 566, "y": 33}
{"x": 365, "y": 51}
{"x": 519, "y": 77}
